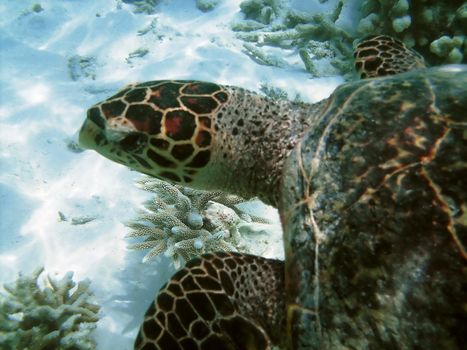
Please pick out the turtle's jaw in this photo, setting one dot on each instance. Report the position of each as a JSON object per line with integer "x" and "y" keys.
{"x": 88, "y": 134}
{"x": 94, "y": 137}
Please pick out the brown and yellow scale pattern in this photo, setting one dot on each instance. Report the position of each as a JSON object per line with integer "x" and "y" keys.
{"x": 371, "y": 185}
{"x": 167, "y": 125}
{"x": 210, "y": 305}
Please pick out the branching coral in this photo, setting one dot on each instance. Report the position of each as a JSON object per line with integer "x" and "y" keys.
{"x": 58, "y": 316}
{"x": 184, "y": 223}
{"x": 309, "y": 34}
{"x": 264, "y": 11}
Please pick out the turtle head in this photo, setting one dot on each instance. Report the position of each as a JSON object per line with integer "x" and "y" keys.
{"x": 198, "y": 134}
{"x": 160, "y": 128}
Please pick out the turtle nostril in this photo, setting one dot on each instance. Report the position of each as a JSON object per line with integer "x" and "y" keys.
{"x": 133, "y": 142}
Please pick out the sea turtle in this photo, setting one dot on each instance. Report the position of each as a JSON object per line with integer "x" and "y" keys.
{"x": 371, "y": 186}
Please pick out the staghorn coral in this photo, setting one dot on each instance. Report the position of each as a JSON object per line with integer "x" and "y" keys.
{"x": 313, "y": 36}
{"x": 58, "y": 316}
{"x": 183, "y": 223}
{"x": 264, "y": 11}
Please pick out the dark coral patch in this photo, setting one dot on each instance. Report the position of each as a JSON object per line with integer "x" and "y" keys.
{"x": 160, "y": 144}
{"x": 200, "y": 88}
{"x": 200, "y": 104}
{"x": 145, "y": 118}
{"x": 182, "y": 152}
{"x": 113, "y": 109}
{"x": 203, "y": 139}
{"x": 136, "y": 95}
{"x": 222, "y": 96}
{"x": 165, "y": 95}
{"x": 160, "y": 160}
{"x": 180, "y": 125}
{"x": 200, "y": 160}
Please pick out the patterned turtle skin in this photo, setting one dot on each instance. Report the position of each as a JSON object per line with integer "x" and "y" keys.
{"x": 381, "y": 55}
{"x": 371, "y": 186}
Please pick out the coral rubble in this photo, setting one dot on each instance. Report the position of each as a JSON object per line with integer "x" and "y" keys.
{"x": 57, "y": 316}
{"x": 183, "y": 222}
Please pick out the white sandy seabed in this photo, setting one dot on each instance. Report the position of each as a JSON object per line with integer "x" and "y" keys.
{"x": 41, "y": 108}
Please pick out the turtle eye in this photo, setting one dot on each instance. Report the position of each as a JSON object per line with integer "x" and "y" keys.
{"x": 133, "y": 142}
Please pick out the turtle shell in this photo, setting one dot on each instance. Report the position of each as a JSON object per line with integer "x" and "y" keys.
{"x": 375, "y": 217}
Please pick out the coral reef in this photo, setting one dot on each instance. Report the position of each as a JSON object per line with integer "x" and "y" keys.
{"x": 263, "y": 11}
{"x": 313, "y": 36}
{"x": 58, "y": 316}
{"x": 207, "y": 5}
{"x": 183, "y": 223}
{"x": 436, "y": 29}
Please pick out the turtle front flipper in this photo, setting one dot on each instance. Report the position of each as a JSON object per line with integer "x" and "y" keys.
{"x": 219, "y": 301}
{"x": 381, "y": 55}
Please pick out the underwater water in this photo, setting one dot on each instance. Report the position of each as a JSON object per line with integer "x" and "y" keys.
{"x": 65, "y": 209}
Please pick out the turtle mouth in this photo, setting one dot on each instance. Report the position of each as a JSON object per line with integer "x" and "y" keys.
{"x": 89, "y": 135}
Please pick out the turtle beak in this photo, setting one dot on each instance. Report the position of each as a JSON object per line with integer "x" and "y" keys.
{"x": 92, "y": 132}
{"x": 89, "y": 134}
